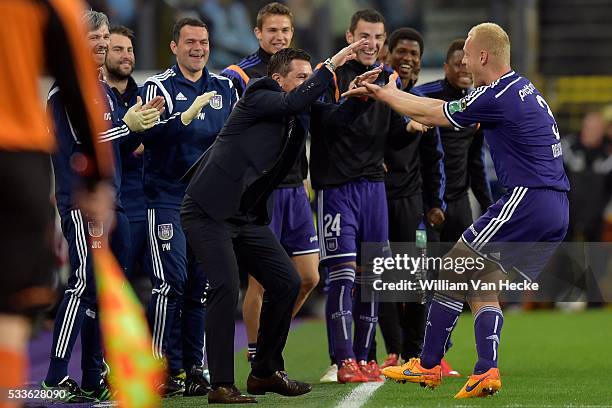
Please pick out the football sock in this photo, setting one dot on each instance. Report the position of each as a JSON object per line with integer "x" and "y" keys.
{"x": 338, "y": 310}
{"x": 443, "y": 314}
{"x": 330, "y": 345}
{"x": 366, "y": 317}
{"x": 488, "y": 323}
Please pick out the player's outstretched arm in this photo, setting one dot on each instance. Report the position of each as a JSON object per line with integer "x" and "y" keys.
{"x": 369, "y": 77}
{"x": 426, "y": 111}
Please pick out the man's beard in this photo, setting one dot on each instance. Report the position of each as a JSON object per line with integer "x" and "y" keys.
{"x": 116, "y": 73}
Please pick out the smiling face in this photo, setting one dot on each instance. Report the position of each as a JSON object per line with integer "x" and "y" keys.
{"x": 275, "y": 34}
{"x": 456, "y": 71}
{"x": 192, "y": 49}
{"x": 120, "y": 58}
{"x": 98, "y": 44}
{"x": 299, "y": 71}
{"x": 406, "y": 59}
{"x": 473, "y": 61}
{"x": 375, "y": 34}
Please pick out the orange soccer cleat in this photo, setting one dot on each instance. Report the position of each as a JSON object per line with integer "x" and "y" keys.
{"x": 349, "y": 372}
{"x": 481, "y": 385}
{"x": 412, "y": 371}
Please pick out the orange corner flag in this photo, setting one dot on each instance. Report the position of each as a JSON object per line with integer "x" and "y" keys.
{"x": 127, "y": 341}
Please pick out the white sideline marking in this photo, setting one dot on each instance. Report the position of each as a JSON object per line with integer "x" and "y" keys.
{"x": 360, "y": 395}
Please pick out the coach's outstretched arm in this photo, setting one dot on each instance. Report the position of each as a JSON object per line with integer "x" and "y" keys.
{"x": 427, "y": 111}
{"x": 272, "y": 103}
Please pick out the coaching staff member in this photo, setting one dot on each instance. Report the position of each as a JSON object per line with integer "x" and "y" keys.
{"x": 227, "y": 207}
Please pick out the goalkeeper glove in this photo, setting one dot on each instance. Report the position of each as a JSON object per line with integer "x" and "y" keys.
{"x": 196, "y": 107}
{"x": 139, "y": 120}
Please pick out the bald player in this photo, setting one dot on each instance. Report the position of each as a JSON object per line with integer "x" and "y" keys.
{"x": 522, "y": 134}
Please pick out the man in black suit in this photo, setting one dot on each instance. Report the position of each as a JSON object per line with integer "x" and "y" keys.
{"x": 227, "y": 207}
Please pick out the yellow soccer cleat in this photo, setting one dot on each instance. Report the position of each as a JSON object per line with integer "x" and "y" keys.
{"x": 481, "y": 385}
{"x": 412, "y": 371}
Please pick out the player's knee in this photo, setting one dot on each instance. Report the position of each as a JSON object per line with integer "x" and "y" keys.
{"x": 310, "y": 282}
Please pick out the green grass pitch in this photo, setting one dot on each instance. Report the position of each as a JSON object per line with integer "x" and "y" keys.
{"x": 547, "y": 359}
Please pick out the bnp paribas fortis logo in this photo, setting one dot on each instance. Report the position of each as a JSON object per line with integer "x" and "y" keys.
{"x": 457, "y": 106}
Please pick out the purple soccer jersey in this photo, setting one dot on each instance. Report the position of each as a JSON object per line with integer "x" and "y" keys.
{"x": 350, "y": 215}
{"x": 520, "y": 130}
{"x": 522, "y": 135}
{"x": 292, "y": 221}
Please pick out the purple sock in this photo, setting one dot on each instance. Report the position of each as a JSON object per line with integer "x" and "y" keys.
{"x": 488, "y": 324}
{"x": 443, "y": 314}
{"x": 338, "y": 310}
{"x": 365, "y": 314}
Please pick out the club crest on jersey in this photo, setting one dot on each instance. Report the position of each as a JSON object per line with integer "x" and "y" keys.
{"x": 216, "y": 102}
{"x": 95, "y": 228}
{"x": 165, "y": 232}
{"x": 331, "y": 244}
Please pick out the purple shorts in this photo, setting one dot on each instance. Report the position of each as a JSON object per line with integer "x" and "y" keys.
{"x": 521, "y": 230}
{"x": 350, "y": 215}
{"x": 292, "y": 221}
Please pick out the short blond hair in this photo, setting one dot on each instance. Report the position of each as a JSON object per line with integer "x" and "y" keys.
{"x": 494, "y": 39}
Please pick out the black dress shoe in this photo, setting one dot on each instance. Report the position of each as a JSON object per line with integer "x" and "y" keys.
{"x": 278, "y": 383}
{"x": 228, "y": 394}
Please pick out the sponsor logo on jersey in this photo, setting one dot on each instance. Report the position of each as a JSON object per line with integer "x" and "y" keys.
{"x": 216, "y": 102}
{"x": 180, "y": 97}
{"x": 165, "y": 232}
{"x": 526, "y": 90}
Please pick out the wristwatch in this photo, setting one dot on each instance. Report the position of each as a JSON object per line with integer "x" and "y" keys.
{"x": 330, "y": 64}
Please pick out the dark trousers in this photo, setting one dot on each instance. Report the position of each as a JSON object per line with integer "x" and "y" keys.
{"x": 458, "y": 219}
{"x": 220, "y": 246}
{"x": 403, "y": 324}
